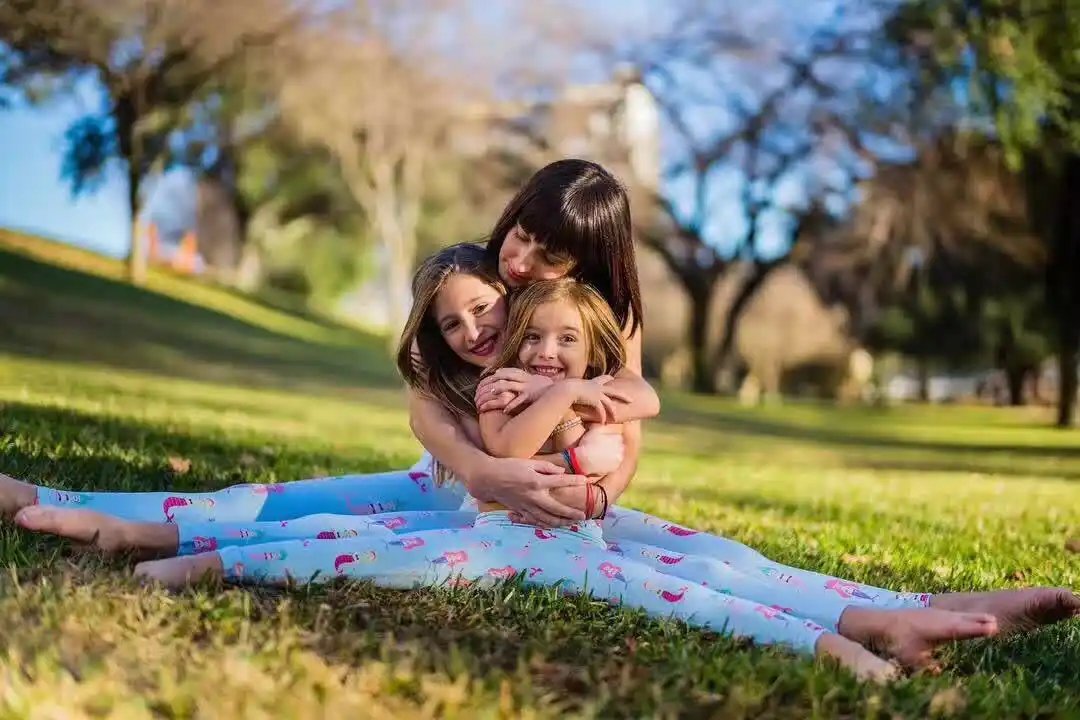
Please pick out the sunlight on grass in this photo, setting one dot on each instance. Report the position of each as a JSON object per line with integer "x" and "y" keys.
{"x": 921, "y": 499}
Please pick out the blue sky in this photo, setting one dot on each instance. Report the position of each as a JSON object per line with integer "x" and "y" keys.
{"x": 34, "y": 198}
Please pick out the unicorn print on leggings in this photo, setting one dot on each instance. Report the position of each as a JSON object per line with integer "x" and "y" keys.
{"x": 671, "y": 597}
{"x": 612, "y": 571}
{"x": 408, "y": 543}
{"x": 847, "y": 590}
{"x": 336, "y": 534}
{"x": 172, "y": 502}
{"x": 419, "y": 478}
{"x": 342, "y": 561}
{"x": 204, "y": 544}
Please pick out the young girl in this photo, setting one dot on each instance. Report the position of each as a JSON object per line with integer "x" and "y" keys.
{"x": 564, "y": 332}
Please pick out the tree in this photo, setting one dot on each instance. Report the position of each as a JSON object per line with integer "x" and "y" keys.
{"x": 377, "y": 92}
{"x": 153, "y": 58}
{"x": 937, "y": 258}
{"x": 770, "y": 134}
{"x": 1022, "y": 74}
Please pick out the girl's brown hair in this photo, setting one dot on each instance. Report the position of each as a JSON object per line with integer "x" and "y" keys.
{"x": 603, "y": 333}
{"x": 424, "y": 359}
{"x": 577, "y": 209}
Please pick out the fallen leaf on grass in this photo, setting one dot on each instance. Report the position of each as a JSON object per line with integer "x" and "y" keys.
{"x": 947, "y": 703}
{"x": 1073, "y": 545}
{"x": 248, "y": 460}
{"x": 1019, "y": 576}
{"x": 179, "y": 465}
{"x": 850, "y": 559}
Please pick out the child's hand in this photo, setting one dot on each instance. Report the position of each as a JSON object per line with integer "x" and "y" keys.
{"x": 508, "y": 389}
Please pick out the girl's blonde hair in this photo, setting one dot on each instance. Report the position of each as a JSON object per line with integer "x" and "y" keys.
{"x": 603, "y": 334}
{"x": 424, "y": 359}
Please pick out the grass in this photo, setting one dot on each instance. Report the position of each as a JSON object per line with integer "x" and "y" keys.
{"x": 101, "y": 384}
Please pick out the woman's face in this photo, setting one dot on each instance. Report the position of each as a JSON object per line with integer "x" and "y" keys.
{"x": 522, "y": 260}
{"x": 471, "y": 316}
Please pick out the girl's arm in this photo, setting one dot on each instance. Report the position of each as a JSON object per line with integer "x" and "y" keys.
{"x": 632, "y": 398}
{"x": 442, "y": 435}
{"x": 615, "y": 482}
{"x": 525, "y": 433}
{"x": 522, "y": 485}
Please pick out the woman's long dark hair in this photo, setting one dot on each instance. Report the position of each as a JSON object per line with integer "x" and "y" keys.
{"x": 577, "y": 208}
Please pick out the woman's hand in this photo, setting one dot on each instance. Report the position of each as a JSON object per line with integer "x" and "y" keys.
{"x": 525, "y": 487}
{"x": 508, "y": 389}
{"x": 600, "y": 451}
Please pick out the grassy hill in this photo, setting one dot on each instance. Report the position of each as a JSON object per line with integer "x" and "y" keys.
{"x": 103, "y": 385}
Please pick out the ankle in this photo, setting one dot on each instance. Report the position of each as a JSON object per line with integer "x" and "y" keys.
{"x": 153, "y": 537}
{"x": 856, "y": 623}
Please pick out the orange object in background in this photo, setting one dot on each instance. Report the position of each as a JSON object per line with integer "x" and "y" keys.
{"x": 186, "y": 258}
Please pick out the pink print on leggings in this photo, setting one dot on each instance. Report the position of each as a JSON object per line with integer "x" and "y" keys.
{"x": 173, "y": 502}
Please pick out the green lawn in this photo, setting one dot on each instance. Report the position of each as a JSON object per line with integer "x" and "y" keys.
{"x": 101, "y": 384}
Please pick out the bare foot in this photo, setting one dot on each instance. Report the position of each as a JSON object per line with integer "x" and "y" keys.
{"x": 1016, "y": 610}
{"x": 106, "y": 532}
{"x": 180, "y": 572}
{"x": 911, "y": 636}
{"x": 15, "y": 495}
{"x": 864, "y": 664}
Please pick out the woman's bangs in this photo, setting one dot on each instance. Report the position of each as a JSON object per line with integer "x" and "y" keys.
{"x": 546, "y": 225}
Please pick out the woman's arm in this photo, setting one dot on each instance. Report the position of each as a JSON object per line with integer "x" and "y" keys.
{"x": 442, "y": 435}
{"x": 641, "y": 401}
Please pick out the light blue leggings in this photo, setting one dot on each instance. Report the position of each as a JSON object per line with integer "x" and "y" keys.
{"x": 365, "y": 494}
{"x": 355, "y": 505}
{"x": 575, "y": 559}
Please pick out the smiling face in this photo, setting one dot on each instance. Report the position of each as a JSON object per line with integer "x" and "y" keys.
{"x": 470, "y": 315}
{"x": 522, "y": 260}
{"x": 555, "y": 344}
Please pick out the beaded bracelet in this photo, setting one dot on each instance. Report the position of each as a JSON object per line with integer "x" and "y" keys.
{"x": 566, "y": 425}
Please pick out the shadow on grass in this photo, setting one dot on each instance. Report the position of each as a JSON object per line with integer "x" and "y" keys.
{"x": 60, "y": 314}
{"x": 745, "y": 424}
{"x": 72, "y": 450}
{"x": 1000, "y": 468}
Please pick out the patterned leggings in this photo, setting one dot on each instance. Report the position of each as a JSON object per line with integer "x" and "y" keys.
{"x": 354, "y": 506}
{"x": 574, "y": 559}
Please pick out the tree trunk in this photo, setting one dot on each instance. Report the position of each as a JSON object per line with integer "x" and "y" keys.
{"x": 1068, "y": 357}
{"x": 703, "y": 361}
{"x": 1064, "y": 279}
{"x": 137, "y": 256}
{"x": 1014, "y": 378}
{"x": 923, "y": 370}
{"x": 746, "y": 293}
{"x": 126, "y": 113}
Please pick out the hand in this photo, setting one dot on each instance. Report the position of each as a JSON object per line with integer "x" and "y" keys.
{"x": 600, "y": 451}
{"x": 596, "y": 400}
{"x": 508, "y": 389}
{"x": 571, "y": 496}
{"x": 524, "y": 487}
{"x": 592, "y": 413}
